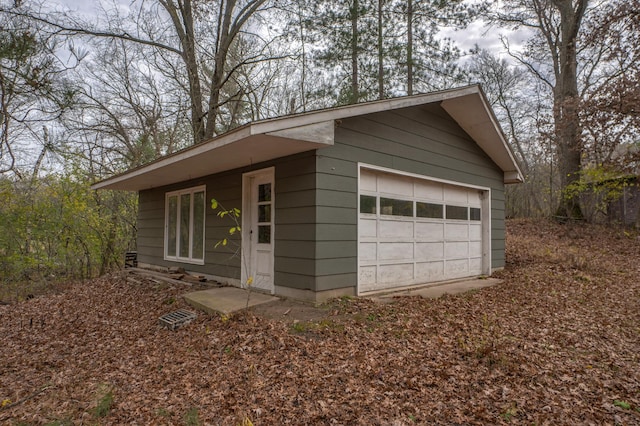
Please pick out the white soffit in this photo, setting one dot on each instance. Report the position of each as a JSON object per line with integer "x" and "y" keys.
{"x": 239, "y": 148}
{"x": 472, "y": 113}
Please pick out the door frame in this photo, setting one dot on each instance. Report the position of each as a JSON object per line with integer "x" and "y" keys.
{"x": 246, "y": 248}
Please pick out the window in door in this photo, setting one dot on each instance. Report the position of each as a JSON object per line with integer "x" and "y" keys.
{"x": 264, "y": 213}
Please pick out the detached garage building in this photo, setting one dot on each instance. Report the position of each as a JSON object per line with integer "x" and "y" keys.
{"x": 344, "y": 201}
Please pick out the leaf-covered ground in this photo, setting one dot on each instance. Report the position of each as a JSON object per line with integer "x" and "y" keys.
{"x": 558, "y": 342}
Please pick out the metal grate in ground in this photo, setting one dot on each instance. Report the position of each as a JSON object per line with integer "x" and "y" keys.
{"x": 177, "y": 319}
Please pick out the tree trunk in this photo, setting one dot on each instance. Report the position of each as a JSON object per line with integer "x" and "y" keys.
{"x": 355, "y": 97}
{"x": 409, "y": 47}
{"x": 303, "y": 73}
{"x": 222, "y": 49}
{"x": 183, "y": 24}
{"x": 566, "y": 103}
{"x": 380, "y": 53}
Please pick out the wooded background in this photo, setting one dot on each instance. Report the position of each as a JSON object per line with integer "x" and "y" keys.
{"x": 83, "y": 96}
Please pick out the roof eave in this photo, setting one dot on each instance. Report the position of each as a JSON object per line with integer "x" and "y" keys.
{"x": 269, "y": 139}
{"x": 472, "y": 112}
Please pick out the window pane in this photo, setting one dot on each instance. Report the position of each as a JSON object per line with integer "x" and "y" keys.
{"x": 264, "y": 192}
{"x": 185, "y": 210}
{"x": 474, "y": 213}
{"x": 429, "y": 210}
{"x": 172, "y": 223}
{"x": 367, "y": 204}
{"x": 264, "y": 234}
{"x": 264, "y": 213}
{"x": 457, "y": 212}
{"x": 395, "y": 207}
{"x": 198, "y": 225}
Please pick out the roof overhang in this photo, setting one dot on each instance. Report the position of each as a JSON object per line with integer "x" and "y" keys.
{"x": 475, "y": 116}
{"x": 270, "y": 139}
{"x": 242, "y": 147}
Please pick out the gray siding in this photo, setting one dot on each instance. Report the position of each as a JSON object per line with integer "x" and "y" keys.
{"x": 422, "y": 140}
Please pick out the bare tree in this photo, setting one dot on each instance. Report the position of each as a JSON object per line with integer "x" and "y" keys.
{"x": 508, "y": 88}
{"x": 556, "y": 28}
{"x": 197, "y": 33}
{"x": 34, "y": 90}
{"x": 129, "y": 111}
{"x": 610, "y": 102}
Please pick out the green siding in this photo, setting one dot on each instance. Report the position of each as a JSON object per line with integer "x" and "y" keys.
{"x": 424, "y": 141}
{"x": 316, "y": 196}
{"x": 294, "y": 216}
{"x": 295, "y": 232}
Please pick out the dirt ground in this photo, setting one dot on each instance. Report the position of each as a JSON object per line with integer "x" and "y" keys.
{"x": 290, "y": 310}
{"x": 556, "y": 343}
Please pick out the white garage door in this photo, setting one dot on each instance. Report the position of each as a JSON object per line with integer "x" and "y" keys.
{"x": 414, "y": 231}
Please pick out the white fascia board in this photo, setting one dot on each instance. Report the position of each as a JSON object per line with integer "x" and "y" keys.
{"x": 474, "y": 115}
{"x": 303, "y": 119}
{"x": 179, "y": 156}
{"x": 239, "y": 148}
{"x": 513, "y": 177}
{"x": 321, "y": 133}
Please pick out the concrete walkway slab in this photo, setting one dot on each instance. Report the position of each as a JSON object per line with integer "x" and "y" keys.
{"x": 225, "y": 300}
{"x": 438, "y": 290}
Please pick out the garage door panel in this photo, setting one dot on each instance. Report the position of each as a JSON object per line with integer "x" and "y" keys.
{"x": 368, "y": 228}
{"x": 368, "y": 251}
{"x": 456, "y": 232}
{"x": 475, "y": 247}
{"x": 456, "y": 268}
{"x": 456, "y": 194}
{"x": 395, "y": 251}
{"x": 430, "y": 271}
{"x": 475, "y": 265}
{"x": 429, "y": 251}
{"x": 396, "y": 185}
{"x": 456, "y": 250}
{"x": 426, "y": 231}
{"x": 475, "y": 232}
{"x": 475, "y": 198}
{"x": 428, "y": 190}
{"x": 368, "y": 181}
{"x": 396, "y": 228}
{"x": 367, "y": 277}
{"x": 395, "y": 273}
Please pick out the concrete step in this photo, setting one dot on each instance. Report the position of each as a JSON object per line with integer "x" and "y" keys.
{"x": 225, "y": 300}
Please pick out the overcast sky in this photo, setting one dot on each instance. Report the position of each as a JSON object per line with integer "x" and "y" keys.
{"x": 466, "y": 39}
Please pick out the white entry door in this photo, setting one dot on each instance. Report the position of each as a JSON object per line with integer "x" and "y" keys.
{"x": 258, "y": 229}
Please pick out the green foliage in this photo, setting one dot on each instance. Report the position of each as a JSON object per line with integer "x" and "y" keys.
{"x": 105, "y": 403}
{"x": 191, "y": 417}
{"x": 163, "y": 412}
{"x": 56, "y": 227}
{"x": 597, "y": 188}
{"x": 622, "y": 404}
{"x": 233, "y": 214}
{"x": 509, "y": 413}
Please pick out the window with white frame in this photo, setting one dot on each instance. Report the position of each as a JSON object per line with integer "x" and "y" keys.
{"x": 184, "y": 225}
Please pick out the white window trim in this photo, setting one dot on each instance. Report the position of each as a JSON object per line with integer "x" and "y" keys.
{"x": 178, "y": 193}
